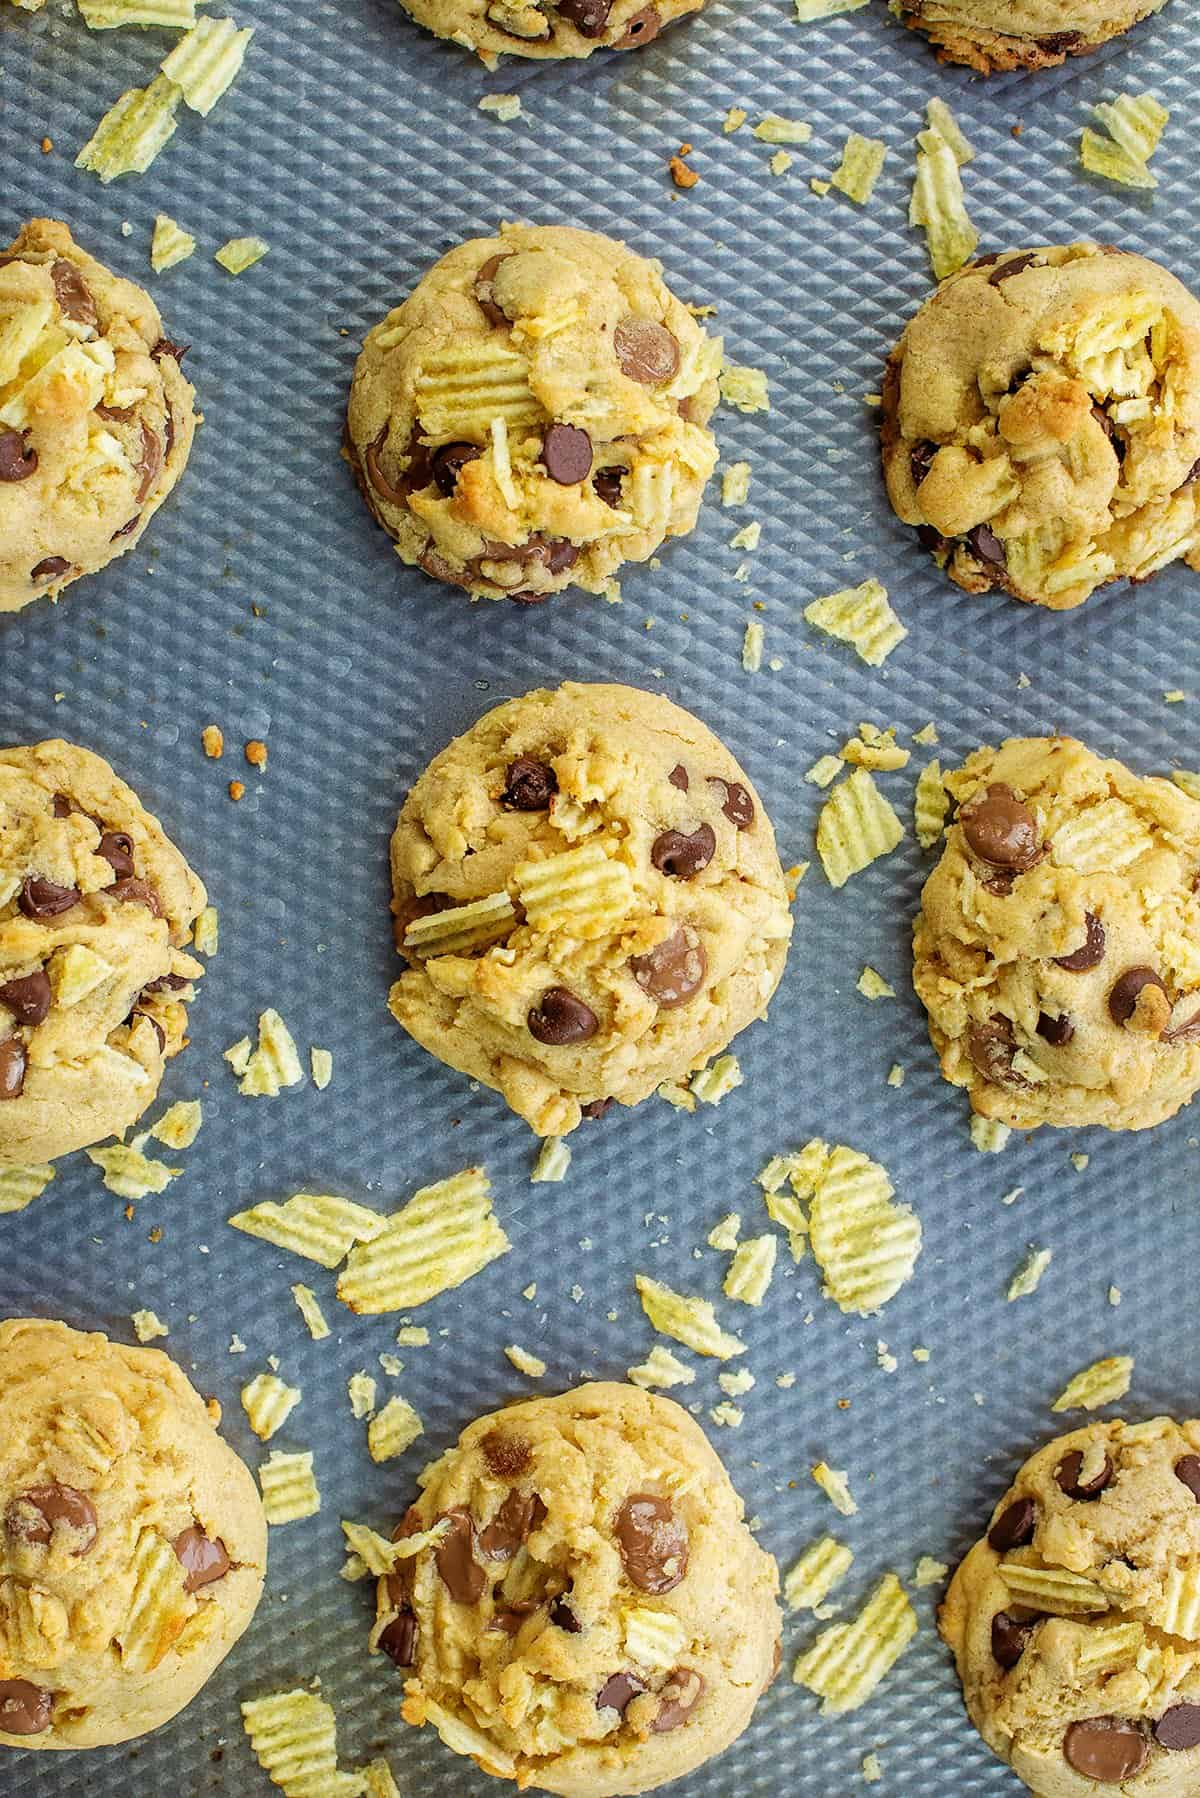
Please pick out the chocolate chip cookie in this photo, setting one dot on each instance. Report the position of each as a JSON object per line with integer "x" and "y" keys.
{"x": 1041, "y": 423}
{"x": 1074, "y": 1620}
{"x": 587, "y": 892}
{"x": 993, "y": 35}
{"x": 1057, "y": 950}
{"x": 96, "y": 418}
{"x": 534, "y": 415}
{"x": 95, "y": 909}
{"x": 132, "y": 1542}
{"x": 547, "y": 28}
{"x": 591, "y": 1616}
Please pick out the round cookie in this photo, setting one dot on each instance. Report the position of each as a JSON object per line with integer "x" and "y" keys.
{"x": 1087, "y": 1675}
{"x": 547, "y": 28}
{"x": 1056, "y": 946}
{"x": 132, "y": 1542}
{"x": 95, "y": 908}
{"x": 994, "y": 35}
{"x": 534, "y": 415}
{"x": 593, "y": 1616}
{"x": 1041, "y": 423}
{"x": 96, "y": 419}
{"x": 628, "y": 910}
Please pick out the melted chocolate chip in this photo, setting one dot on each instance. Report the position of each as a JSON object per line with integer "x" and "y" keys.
{"x": 554, "y": 553}
{"x": 1000, "y": 830}
{"x": 1187, "y": 1472}
{"x": 1009, "y": 1638}
{"x": 510, "y": 1617}
{"x": 33, "y": 1515}
{"x": 507, "y": 1456}
{"x": 72, "y": 293}
{"x": 646, "y": 350}
{"x": 619, "y": 1692}
{"x": 589, "y": 17}
{"x": 17, "y": 460}
{"x": 563, "y": 1617}
{"x": 166, "y": 983}
{"x": 986, "y": 547}
{"x": 653, "y": 1542}
{"x": 1187, "y": 1032}
{"x": 1014, "y": 1527}
{"x": 607, "y": 482}
{"x": 203, "y": 1558}
{"x": 931, "y": 539}
{"x": 567, "y": 454}
{"x": 678, "y": 777}
{"x": 1106, "y": 1749}
{"x": 920, "y": 459}
{"x": 461, "y": 1573}
{"x": 1122, "y": 1000}
{"x": 1067, "y": 1476}
{"x": 737, "y": 804}
{"x": 24, "y": 1708}
{"x": 991, "y": 1047}
{"x": 519, "y": 1515}
{"x": 672, "y": 972}
{"x": 529, "y": 785}
{"x": 49, "y": 568}
{"x": 63, "y": 805}
{"x": 136, "y": 892}
{"x": 399, "y": 1640}
{"x": 677, "y": 1700}
{"x": 116, "y": 848}
{"x": 446, "y": 463}
{"x": 1056, "y": 1031}
{"x": 1013, "y": 266}
{"x": 485, "y": 293}
{"x": 42, "y": 900}
{"x": 640, "y": 28}
{"x": 1179, "y": 1728}
{"x": 561, "y": 1019}
{"x": 125, "y": 529}
{"x": 28, "y": 998}
{"x": 683, "y": 854}
{"x": 417, "y": 475}
{"x": 1091, "y": 954}
{"x": 164, "y": 347}
{"x": 149, "y": 463}
{"x": 12, "y": 1068}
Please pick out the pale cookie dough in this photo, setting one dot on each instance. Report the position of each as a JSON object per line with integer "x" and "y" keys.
{"x": 1041, "y": 423}
{"x": 658, "y": 934}
{"x": 597, "y": 1619}
{"x": 95, "y": 909}
{"x": 1057, "y": 950}
{"x": 535, "y": 414}
{"x": 1095, "y": 1679}
{"x": 547, "y": 28}
{"x": 132, "y": 1542}
{"x": 992, "y": 35}
{"x": 96, "y": 419}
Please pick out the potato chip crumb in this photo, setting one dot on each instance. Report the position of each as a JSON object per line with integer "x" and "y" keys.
{"x": 1175, "y": 696}
{"x": 861, "y": 616}
{"x": 781, "y": 162}
{"x": 988, "y": 1134}
{"x": 268, "y": 1403}
{"x": 206, "y": 932}
{"x": 929, "y": 1572}
{"x": 379, "y": 1780}
{"x": 940, "y": 118}
{"x": 812, "y": 1578}
{"x": 860, "y": 167}
{"x": 751, "y": 1270}
{"x": 931, "y": 802}
{"x": 872, "y": 1769}
{"x": 921, "y": 1354}
{"x": 752, "y": 647}
{"x": 1028, "y": 1276}
{"x": 938, "y": 205}
{"x": 660, "y": 1368}
{"x": 240, "y": 253}
{"x": 711, "y": 1084}
{"x": 725, "y": 1234}
{"x": 836, "y": 1488}
{"x": 1114, "y": 1295}
{"x": 691, "y": 1321}
{"x": 554, "y": 1158}
{"x": 727, "y": 1416}
{"x": 808, "y": 12}
{"x": 148, "y": 1326}
{"x": 393, "y": 1430}
{"x": 132, "y": 131}
{"x": 676, "y": 1095}
{"x": 311, "y": 1312}
{"x": 895, "y": 1074}
{"x": 819, "y": 187}
{"x": 1134, "y": 124}
{"x": 236, "y": 1345}
{"x": 785, "y": 1381}
{"x": 415, "y": 1335}
{"x": 872, "y": 985}
{"x": 361, "y": 1389}
{"x": 883, "y": 754}
{"x": 1079, "y": 1161}
{"x": 748, "y": 537}
{"x": 319, "y": 1226}
{"x": 169, "y": 245}
{"x": 735, "y": 484}
{"x": 503, "y": 107}
{"x": 274, "y": 1064}
{"x": 746, "y": 389}
{"x": 772, "y": 129}
{"x": 824, "y": 770}
{"x": 179, "y": 1125}
{"x": 847, "y": 1661}
{"x": 289, "y": 1491}
{"x": 524, "y": 1362}
{"x": 734, "y": 119}
{"x": 129, "y": 1174}
{"x": 1100, "y": 1384}
{"x": 884, "y": 1357}
{"x": 737, "y": 1384}
{"x": 20, "y": 1186}
{"x": 927, "y": 736}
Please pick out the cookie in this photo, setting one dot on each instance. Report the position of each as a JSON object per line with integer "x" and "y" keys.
{"x": 95, "y": 909}
{"x": 534, "y": 415}
{"x": 994, "y": 35}
{"x": 96, "y": 419}
{"x": 628, "y": 908}
{"x": 547, "y": 28}
{"x": 1084, "y": 1674}
{"x": 594, "y": 1617}
{"x": 1056, "y": 950}
{"x": 133, "y": 1543}
{"x": 1041, "y": 423}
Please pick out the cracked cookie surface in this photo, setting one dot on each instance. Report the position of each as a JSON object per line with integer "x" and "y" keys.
{"x": 547, "y": 28}
{"x": 1057, "y": 950}
{"x": 534, "y": 415}
{"x": 96, "y": 907}
{"x": 96, "y": 418}
{"x": 596, "y": 1618}
{"x": 1084, "y": 1671}
{"x": 627, "y": 909}
{"x": 995, "y": 35}
{"x": 1041, "y": 423}
{"x": 132, "y": 1542}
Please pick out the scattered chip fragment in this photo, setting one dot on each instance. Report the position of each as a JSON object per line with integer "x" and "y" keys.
{"x": 856, "y": 827}
{"x": 814, "y": 1575}
{"x": 446, "y": 1233}
{"x": 848, "y": 1660}
{"x": 1100, "y": 1384}
{"x": 393, "y": 1429}
{"x": 691, "y": 1321}
{"x": 289, "y": 1490}
{"x": 268, "y": 1403}
{"x": 861, "y": 616}
{"x": 205, "y": 62}
{"x": 319, "y": 1226}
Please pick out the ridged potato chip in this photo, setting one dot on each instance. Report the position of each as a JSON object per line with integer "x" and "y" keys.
{"x": 34, "y": 1625}
{"x": 1100, "y": 838}
{"x": 460, "y": 1737}
{"x": 294, "y": 1738}
{"x": 393, "y": 1430}
{"x": 860, "y": 167}
{"x": 713, "y": 1083}
{"x": 361, "y": 1389}
{"x": 106, "y": 15}
{"x": 816, "y": 1573}
{"x": 461, "y": 389}
{"x": 319, "y": 1226}
{"x": 179, "y": 1125}
{"x": 159, "y": 1605}
{"x": 660, "y": 1368}
{"x": 690, "y": 1321}
{"x": 931, "y": 802}
{"x": 268, "y": 1403}
{"x": 583, "y": 892}
{"x": 751, "y": 1269}
{"x": 131, "y": 133}
{"x": 836, "y": 1488}
{"x": 939, "y": 207}
{"x": 129, "y": 1174}
{"x": 444, "y": 1235}
{"x": 745, "y": 389}
{"x": 1100, "y": 1384}
{"x": 808, "y": 12}
{"x": 275, "y": 1063}
{"x": 861, "y": 616}
{"x": 940, "y": 119}
{"x": 378, "y": 1781}
{"x": 311, "y": 1312}
{"x": 170, "y": 244}
{"x": 238, "y": 254}
{"x": 20, "y": 1186}
{"x": 462, "y": 927}
{"x": 865, "y": 1244}
{"x": 856, "y": 826}
{"x": 989, "y": 1135}
{"x": 206, "y": 932}
{"x": 289, "y": 1490}
{"x": 205, "y": 62}
{"x": 1114, "y": 1646}
{"x": 1054, "y": 1590}
{"x": 75, "y": 971}
{"x": 653, "y": 1639}
{"x": 1179, "y": 1613}
{"x": 848, "y": 1660}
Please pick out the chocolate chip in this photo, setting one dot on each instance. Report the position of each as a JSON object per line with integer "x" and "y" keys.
{"x": 563, "y": 1617}
{"x": 595, "y": 1108}
{"x": 986, "y": 546}
{"x": 1009, "y": 1638}
{"x": 1106, "y": 1749}
{"x": 1192, "y": 475}
{"x": 567, "y": 454}
{"x": 647, "y": 351}
{"x": 653, "y": 1542}
{"x": 116, "y": 848}
{"x": 12, "y": 1068}
{"x": 677, "y": 1700}
{"x": 682, "y": 854}
{"x": 485, "y": 292}
{"x": 461, "y": 1573}
{"x": 136, "y": 892}
{"x": 678, "y": 777}
{"x": 203, "y": 1557}
{"x": 920, "y": 459}
{"x": 554, "y": 553}
{"x": 1068, "y": 1471}
{"x": 672, "y": 972}
{"x": 1187, "y": 1471}
{"x": 1179, "y": 1728}
{"x": 122, "y": 415}
{"x": 529, "y": 785}
{"x": 42, "y": 900}
{"x": 149, "y": 463}
{"x": 1014, "y": 1527}
{"x": 607, "y": 482}
{"x": 49, "y": 568}
{"x": 17, "y": 460}
{"x": 737, "y": 804}
{"x": 1057, "y": 1031}
{"x": 164, "y": 347}
{"x": 507, "y": 1456}
{"x": 561, "y": 1019}
{"x": 589, "y": 17}
{"x": 24, "y": 1708}
{"x": 33, "y": 1515}
{"x": 72, "y": 293}
{"x": 399, "y": 1640}
{"x": 641, "y": 28}
{"x": 125, "y": 529}
{"x": 1013, "y": 266}
{"x": 519, "y": 1515}
{"x": 1123, "y": 999}
{"x": 166, "y": 983}
{"x": 28, "y": 998}
{"x": 63, "y": 805}
{"x": 931, "y": 539}
{"x": 1000, "y": 830}
{"x": 399, "y": 1583}
{"x": 446, "y": 463}
{"x": 991, "y": 1047}
{"x": 511, "y": 1617}
{"x": 619, "y": 1692}
{"x": 1092, "y": 952}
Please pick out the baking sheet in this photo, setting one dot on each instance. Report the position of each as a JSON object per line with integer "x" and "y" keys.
{"x": 264, "y": 598}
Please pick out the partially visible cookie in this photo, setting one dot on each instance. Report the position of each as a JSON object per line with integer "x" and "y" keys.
{"x": 96, "y": 906}
{"x": 132, "y": 1540}
{"x": 1041, "y": 423}
{"x": 629, "y": 914}
{"x": 535, "y": 414}
{"x": 595, "y": 1617}
{"x": 994, "y": 35}
{"x": 547, "y": 28}
{"x": 96, "y": 419}
{"x": 1072, "y": 1621}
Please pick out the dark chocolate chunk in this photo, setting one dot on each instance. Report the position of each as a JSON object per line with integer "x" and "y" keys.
{"x": 1068, "y": 1471}
{"x": 446, "y": 463}
{"x": 1009, "y": 1638}
{"x": 204, "y": 1558}
{"x": 737, "y": 804}
{"x": 24, "y": 1708}
{"x": 561, "y": 1019}
{"x": 12, "y": 1068}
{"x": 672, "y": 972}
{"x": 1122, "y": 1000}
{"x": 678, "y": 1699}
{"x": 1179, "y": 1728}
{"x": 461, "y": 1573}
{"x": 32, "y": 1515}
{"x": 72, "y": 293}
{"x": 42, "y": 900}
{"x": 485, "y": 293}
{"x": 589, "y": 17}
{"x": 567, "y": 454}
{"x": 1057, "y": 1031}
{"x": 619, "y": 1692}
{"x": 17, "y": 460}
{"x": 28, "y": 998}
{"x": 519, "y": 1515}
{"x": 1013, "y": 266}
{"x": 529, "y": 785}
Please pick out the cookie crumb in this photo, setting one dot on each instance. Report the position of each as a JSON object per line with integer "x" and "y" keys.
{"x": 213, "y": 739}
{"x": 148, "y": 1326}
{"x": 524, "y": 1362}
{"x": 256, "y": 753}
{"x": 681, "y": 174}
{"x": 236, "y": 790}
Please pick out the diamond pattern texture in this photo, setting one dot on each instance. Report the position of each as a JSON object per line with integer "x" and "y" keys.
{"x": 264, "y": 598}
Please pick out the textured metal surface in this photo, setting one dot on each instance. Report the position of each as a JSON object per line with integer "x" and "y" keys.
{"x": 353, "y": 143}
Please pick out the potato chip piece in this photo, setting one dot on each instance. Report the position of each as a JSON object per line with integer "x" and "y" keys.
{"x": 848, "y": 1660}
{"x": 380, "y": 1556}
{"x": 238, "y": 1055}
{"x": 691, "y": 1321}
{"x": 752, "y": 647}
{"x": 461, "y": 1737}
{"x": 461, "y": 389}
{"x": 583, "y": 892}
{"x": 931, "y": 802}
{"x": 724, "y": 1235}
{"x": 554, "y": 1158}
{"x": 179, "y": 1125}
{"x": 1187, "y": 782}
{"x": 1135, "y": 122}
{"x": 504, "y": 107}
{"x": 938, "y": 205}
{"x": 865, "y": 1244}
{"x": 1111, "y": 1647}
{"x": 836, "y": 1488}
{"x": 751, "y": 1269}
{"x": 206, "y": 931}
{"x": 861, "y": 616}
{"x": 942, "y": 120}
{"x": 1100, "y": 838}
{"x": 129, "y": 1174}
{"x": 883, "y": 756}
{"x": 1100, "y": 156}
{"x": 872, "y": 985}
{"x": 989, "y": 1135}
{"x": 106, "y": 15}
{"x": 289, "y": 1490}
{"x": 929, "y": 1572}
{"x": 1100, "y": 1384}
{"x": 824, "y": 770}
{"x": 148, "y": 1326}
{"x": 320, "y": 1062}
{"x": 809, "y": 11}
{"x": 20, "y": 1186}
{"x": 159, "y": 1604}
{"x": 131, "y": 133}
{"x": 735, "y": 484}
{"x": 660, "y": 1368}
{"x": 319, "y": 1226}
{"x": 771, "y": 129}
{"x": 654, "y": 1640}
{"x": 35, "y": 1625}
{"x": 394, "y": 1429}
{"x": 734, "y": 119}
{"x": 75, "y": 971}
{"x": 294, "y": 1738}
{"x": 746, "y": 389}
{"x": 1179, "y": 1612}
{"x": 815, "y": 1574}
{"x": 274, "y": 1063}
{"x": 170, "y": 244}
{"x": 713, "y": 1083}
{"x": 1054, "y": 1590}
{"x": 311, "y": 1312}
{"x": 524, "y": 1362}
{"x": 205, "y": 62}
{"x": 1028, "y": 1276}
{"x": 860, "y": 167}
{"x": 361, "y": 1388}
{"x": 268, "y": 1403}
{"x": 462, "y": 927}
{"x": 444, "y": 1235}
{"x": 238, "y": 254}
{"x": 378, "y": 1780}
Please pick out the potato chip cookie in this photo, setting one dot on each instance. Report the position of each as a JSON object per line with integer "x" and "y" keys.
{"x": 96, "y": 419}
{"x": 132, "y": 1543}
{"x": 1057, "y": 950}
{"x": 1041, "y": 423}
{"x": 547, "y": 28}
{"x": 534, "y": 414}
{"x": 588, "y": 894}
{"x": 1075, "y": 1621}
{"x": 95, "y": 909}
{"x": 588, "y": 1614}
{"x": 994, "y": 35}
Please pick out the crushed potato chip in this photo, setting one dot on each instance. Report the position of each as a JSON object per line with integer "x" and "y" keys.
{"x": 746, "y": 389}
{"x": 725, "y": 1234}
{"x": 584, "y": 892}
{"x": 836, "y": 1488}
{"x": 554, "y": 1158}
{"x": 20, "y": 1186}
{"x": 206, "y": 61}
{"x": 524, "y": 1362}
{"x": 289, "y": 1490}
{"x": 678, "y": 1096}
{"x": 660, "y": 1368}
{"x": 815, "y": 1574}
{"x": 752, "y": 647}
{"x": 691, "y": 1321}
{"x": 938, "y": 205}
{"x": 379, "y": 1782}
{"x": 856, "y": 827}
{"x": 1053, "y": 1590}
{"x": 861, "y": 616}
{"x": 751, "y": 1269}
{"x": 158, "y": 1606}
{"x": 444, "y": 1235}
{"x": 393, "y": 1429}
{"x": 931, "y": 802}
{"x": 715, "y": 1082}
{"x": 238, "y": 1055}
{"x": 735, "y": 484}
{"x": 131, "y": 133}
{"x": 318, "y": 1226}
{"x": 320, "y": 1062}
{"x": 653, "y": 1639}
{"x": 1100, "y": 1384}
{"x": 940, "y": 119}
{"x": 274, "y": 1064}
{"x": 462, "y": 927}
{"x": 169, "y": 245}
{"x": 824, "y": 770}
{"x": 771, "y": 129}
{"x": 860, "y": 167}
{"x": 503, "y": 107}
{"x": 989, "y": 1135}
{"x": 179, "y": 1125}
{"x": 848, "y": 1660}
{"x": 241, "y": 253}
{"x": 1179, "y": 1611}
{"x": 380, "y": 1556}
{"x": 1135, "y": 124}
{"x": 148, "y": 1326}
{"x": 929, "y": 1572}
{"x": 268, "y": 1403}
{"x": 294, "y": 1738}
{"x": 311, "y": 1312}
{"x": 361, "y": 1389}
{"x": 884, "y": 755}
{"x": 734, "y": 119}
{"x": 107, "y": 15}
{"x": 129, "y": 1174}
{"x": 1111, "y": 1647}
{"x": 75, "y": 971}
{"x": 872, "y": 985}
{"x": 206, "y": 931}
{"x": 1028, "y": 1276}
